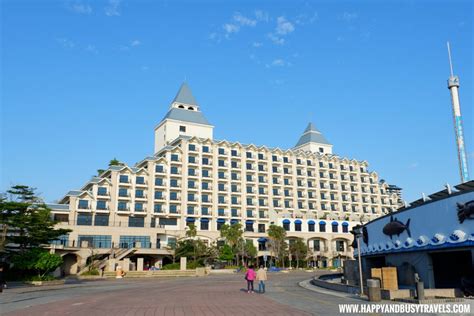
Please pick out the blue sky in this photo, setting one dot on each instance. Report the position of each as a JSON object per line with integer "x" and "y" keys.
{"x": 86, "y": 81}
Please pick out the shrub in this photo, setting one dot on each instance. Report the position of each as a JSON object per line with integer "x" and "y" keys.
{"x": 91, "y": 272}
{"x": 171, "y": 266}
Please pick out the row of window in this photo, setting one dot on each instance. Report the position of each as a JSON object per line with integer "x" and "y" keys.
{"x": 312, "y": 226}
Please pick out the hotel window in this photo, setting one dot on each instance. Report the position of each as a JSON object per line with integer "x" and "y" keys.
{"x": 192, "y": 147}
{"x": 174, "y": 157}
{"x": 261, "y": 202}
{"x": 221, "y": 163}
{"x": 311, "y": 206}
{"x": 286, "y": 181}
{"x": 191, "y": 184}
{"x": 321, "y": 149}
{"x": 275, "y": 203}
{"x": 345, "y": 228}
{"x": 335, "y": 228}
{"x": 333, "y": 197}
{"x": 233, "y": 188}
{"x": 285, "y": 159}
{"x": 101, "y": 205}
{"x": 287, "y": 204}
{"x": 275, "y": 180}
{"x": 173, "y": 209}
{"x": 102, "y": 191}
{"x": 310, "y": 173}
{"x": 205, "y": 149}
{"x": 221, "y": 212}
{"x": 321, "y": 164}
{"x": 316, "y": 245}
{"x": 234, "y": 176}
{"x": 221, "y": 187}
{"x": 205, "y": 211}
{"x": 310, "y": 194}
{"x": 322, "y": 227}
{"x": 275, "y": 192}
{"x": 234, "y": 200}
{"x": 249, "y": 201}
{"x": 83, "y": 204}
{"x": 323, "y": 206}
{"x": 286, "y": 170}
{"x": 192, "y": 159}
{"x": 139, "y": 207}
{"x": 174, "y": 170}
{"x": 287, "y": 192}
{"x": 159, "y": 181}
{"x": 221, "y": 151}
{"x": 159, "y": 168}
{"x": 84, "y": 219}
{"x": 157, "y": 208}
{"x": 249, "y": 213}
{"x": 168, "y": 221}
{"x": 182, "y": 129}
{"x": 140, "y": 180}
{"x": 249, "y": 189}
{"x": 191, "y": 197}
{"x": 261, "y": 228}
{"x": 248, "y": 166}
{"x": 300, "y": 194}
{"x": 205, "y": 173}
{"x": 190, "y": 210}
{"x": 205, "y": 198}
{"x": 122, "y": 206}
{"x": 308, "y": 162}
{"x": 96, "y": 241}
{"x": 331, "y": 165}
{"x": 339, "y": 245}
{"x": 249, "y": 178}
{"x": 233, "y": 153}
{"x": 261, "y": 214}
{"x": 311, "y": 227}
{"x": 297, "y": 226}
{"x": 261, "y": 168}
{"x": 299, "y": 183}
{"x": 205, "y": 161}
{"x": 261, "y": 179}
{"x": 333, "y": 207}
{"x": 249, "y": 226}
{"x": 234, "y": 212}
{"x": 286, "y": 225}
{"x": 204, "y": 224}
{"x": 249, "y": 155}
{"x": 191, "y": 172}
{"x": 123, "y": 179}
{"x": 101, "y": 220}
{"x": 261, "y": 157}
{"x": 221, "y": 199}
{"x": 274, "y": 169}
{"x": 139, "y": 194}
{"x": 298, "y": 161}
{"x": 323, "y": 196}
{"x": 274, "y": 158}
{"x": 300, "y": 205}
{"x": 233, "y": 164}
{"x": 221, "y": 175}
{"x": 123, "y": 192}
{"x": 173, "y": 196}
{"x": 205, "y": 185}
{"x": 261, "y": 190}
{"x": 354, "y": 208}
{"x": 174, "y": 183}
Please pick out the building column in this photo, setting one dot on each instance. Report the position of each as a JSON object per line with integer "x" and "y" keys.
{"x": 139, "y": 264}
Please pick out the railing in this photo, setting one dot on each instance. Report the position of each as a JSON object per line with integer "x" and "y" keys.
{"x": 113, "y": 224}
{"x": 108, "y": 245}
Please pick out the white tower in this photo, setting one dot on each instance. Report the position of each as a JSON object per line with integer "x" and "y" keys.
{"x": 453, "y": 86}
{"x": 184, "y": 118}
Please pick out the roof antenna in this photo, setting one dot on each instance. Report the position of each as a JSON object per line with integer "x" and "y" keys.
{"x": 450, "y": 62}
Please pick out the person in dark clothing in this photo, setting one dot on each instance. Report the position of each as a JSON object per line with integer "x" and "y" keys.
{"x": 2, "y": 279}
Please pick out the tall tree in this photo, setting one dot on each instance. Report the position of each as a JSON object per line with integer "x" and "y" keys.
{"x": 27, "y": 219}
{"x": 298, "y": 250}
{"x": 277, "y": 235}
{"x": 191, "y": 233}
{"x": 232, "y": 234}
{"x": 250, "y": 250}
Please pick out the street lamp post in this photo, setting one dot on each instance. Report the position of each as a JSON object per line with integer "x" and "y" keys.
{"x": 357, "y": 234}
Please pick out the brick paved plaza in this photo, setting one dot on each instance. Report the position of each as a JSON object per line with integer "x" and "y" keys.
{"x": 213, "y": 295}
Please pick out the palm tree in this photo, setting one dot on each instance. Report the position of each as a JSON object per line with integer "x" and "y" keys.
{"x": 277, "y": 236}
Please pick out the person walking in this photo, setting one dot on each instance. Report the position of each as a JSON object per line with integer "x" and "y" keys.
{"x": 261, "y": 278}
{"x": 250, "y": 277}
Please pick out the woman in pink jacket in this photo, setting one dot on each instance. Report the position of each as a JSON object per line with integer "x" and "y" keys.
{"x": 250, "y": 277}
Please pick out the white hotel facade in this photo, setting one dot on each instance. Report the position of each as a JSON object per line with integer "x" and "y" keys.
{"x": 193, "y": 178}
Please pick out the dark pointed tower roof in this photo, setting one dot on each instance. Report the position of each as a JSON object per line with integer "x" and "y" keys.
{"x": 312, "y": 135}
{"x": 185, "y": 95}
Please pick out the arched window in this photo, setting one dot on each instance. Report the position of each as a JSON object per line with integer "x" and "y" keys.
{"x": 298, "y": 225}
{"x": 181, "y": 106}
{"x": 322, "y": 226}
{"x": 334, "y": 227}
{"x": 191, "y": 108}
{"x": 286, "y": 224}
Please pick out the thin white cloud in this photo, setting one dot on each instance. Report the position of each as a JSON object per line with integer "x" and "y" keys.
{"x": 349, "y": 16}
{"x": 135, "y": 43}
{"x": 113, "y": 8}
{"x": 230, "y": 28}
{"x": 262, "y": 16}
{"x": 65, "y": 42}
{"x": 276, "y": 39}
{"x": 278, "y": 62}
{"x": 284, "y": 26}
{"x": 92, "y": 49}
{"x": 305, "y": 18}
{"x": 80, "y": 8}
{"x": 244, "y": 21}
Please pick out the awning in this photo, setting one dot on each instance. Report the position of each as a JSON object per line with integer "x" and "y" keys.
{"x": 334, "y": 223}
{"x": 262, "y": 239}
{"x": 286, "y": 221}
{"x": 322, "y": 223}
{"x": 190, "y": 219}
{"x": 311, "y": 222}
{"x": 298, "y": 221}
{"x": 205, "y": 220}
{"x": 250, "y": 222}
{"x": 345, "y": 224}
{"x": 221, "y": 220}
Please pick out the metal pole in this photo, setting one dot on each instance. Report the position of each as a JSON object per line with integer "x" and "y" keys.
{"x": 360, "y": 266}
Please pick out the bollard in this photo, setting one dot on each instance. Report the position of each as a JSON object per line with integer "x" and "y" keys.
{"x": 375, "y": 294}
{"x": 420, "y": 290}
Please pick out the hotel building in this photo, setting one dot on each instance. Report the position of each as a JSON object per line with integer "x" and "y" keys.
{"x": 138, "y": 211}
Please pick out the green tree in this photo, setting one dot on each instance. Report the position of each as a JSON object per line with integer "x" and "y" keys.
{"x": 38, "y": 260}
{"x": 26, "y": 220}
{"x": 191, "y": 233}
{"x": 250, "y": 250}
{"x": 113, "y": 162}
{"x": 232, "y": 234}
{"x": 277, "y": 235}
{"x": 225, "y": 253}
{"x": 298, "y": 250}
